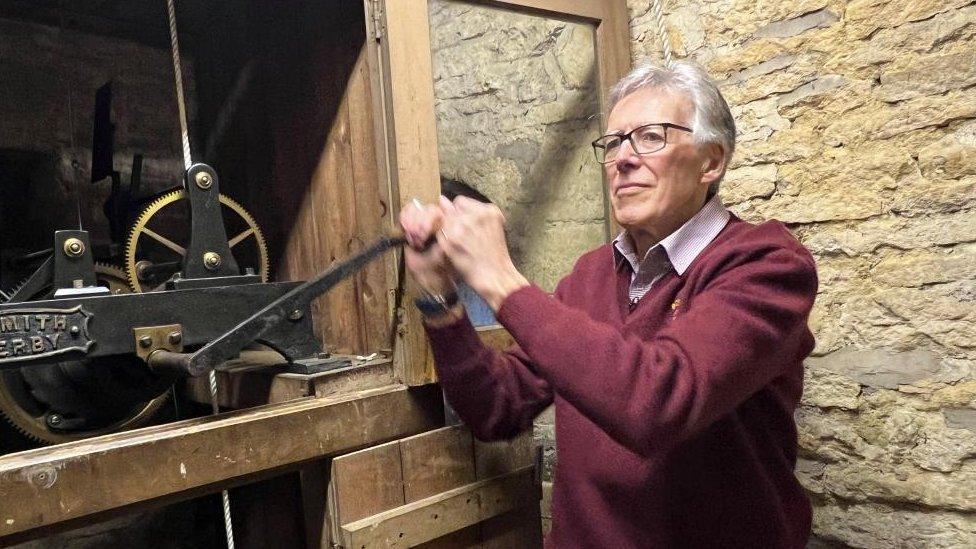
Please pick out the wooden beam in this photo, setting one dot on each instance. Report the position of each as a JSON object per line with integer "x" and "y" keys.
{"x": 261, "y": 377}
{"x": 430, "y": 518}
{"x": 50, "y": 485}
{"x": 412, "y": 129}
{"x": 585, "y": 10}
{"x": 614, "y": 62}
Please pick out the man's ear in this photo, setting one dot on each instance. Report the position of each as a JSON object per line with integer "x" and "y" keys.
{"x": 713, "y": 165}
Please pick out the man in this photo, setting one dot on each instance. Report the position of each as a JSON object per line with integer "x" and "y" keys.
{"x": 673, "y": 354}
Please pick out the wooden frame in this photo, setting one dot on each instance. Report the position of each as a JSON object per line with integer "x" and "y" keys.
{"x": 412, "y": 128}
{"x": 441, "y": 485}
{"x": 174, "y": 462}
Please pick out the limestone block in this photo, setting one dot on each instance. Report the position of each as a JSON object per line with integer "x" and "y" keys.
{"x": 952, "y": 156}
{"x": 577, "y": 58}
{"x": 879, "y": 367}
{"x": 781, "y": 148}
{"x": 825, "y": 389}
{"x": 893, "y": 231}
{"x": 810, "y": 474}
{"x": 796, "y": 25}
{"x": 925, "y": 196}
{"x": 802, "y": 71}
{"x": 756, "y": 121}
{"x": 919, "y": 75}
{"x": 747, "y": 182}
{"x": 863, "y": 17}
{"x": 862, "y": 481}
{"x": 877, "y": 525}
{"x": 915, "y": 268}
{"x": 960, "y": 418}
{"x": 924, "y": 112}
{"x": 830, "y": 437}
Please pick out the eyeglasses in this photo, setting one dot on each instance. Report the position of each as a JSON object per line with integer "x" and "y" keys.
{"x": 644, "y": 139}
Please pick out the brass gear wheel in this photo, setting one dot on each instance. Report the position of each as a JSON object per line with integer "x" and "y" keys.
{"x": 21, "y": 406}
{"x": 152, "y": 260}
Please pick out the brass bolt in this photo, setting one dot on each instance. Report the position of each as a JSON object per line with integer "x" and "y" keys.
{"x": 211, "y": 260}
{"x": 204, "y": 180}
{"x": 145, "y": 342}
{"x": 175, "y": 338}
{"x": 74, "y": 247}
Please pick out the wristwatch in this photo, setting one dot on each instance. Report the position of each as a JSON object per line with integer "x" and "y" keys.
{"x": 436, "y": 304}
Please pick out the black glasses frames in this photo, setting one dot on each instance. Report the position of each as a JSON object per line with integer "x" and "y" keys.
{"x": 608, "y": 146}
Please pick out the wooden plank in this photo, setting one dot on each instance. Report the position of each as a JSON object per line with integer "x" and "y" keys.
{"x": 504, "y": 456}
{"x": 260, "y": 377}
{"x": 329, "y": 176}
{"x": 372, "y": 374}
{"x": 613, "y": 62}
{"x": 82, "y": 478}
{"x": 436, "y": 461}
{"x": 414, "y": 160}
{"x": 521, "y": 527}
{"x": 430, "y": 518}
{"x": 586, "y": 10}
{"x": 372, "y": 204}
{"x": 367, "y": 482}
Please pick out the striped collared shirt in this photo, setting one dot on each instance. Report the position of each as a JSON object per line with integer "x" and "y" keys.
{"x": 676, "y": 251}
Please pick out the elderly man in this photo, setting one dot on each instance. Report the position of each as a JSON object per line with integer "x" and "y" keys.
{"x": 673, "y": 354}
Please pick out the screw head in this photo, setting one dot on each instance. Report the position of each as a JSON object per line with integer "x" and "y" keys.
{"x": 75, "y": 330}
{"x": 54, "y": 420}
{"x": 145, "y": 342}
{"x": 295, "y": 315}
{"x": 204, "y": 180}
{"x": 211, "y": 260}
{"x": 74, "y": 247}
{"x": 175, "y": 337}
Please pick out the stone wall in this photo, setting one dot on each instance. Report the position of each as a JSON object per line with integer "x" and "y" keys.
{"x": 516, "y": 97}
{"x": 857, "y": 128}
{"x": 47, "y": 95}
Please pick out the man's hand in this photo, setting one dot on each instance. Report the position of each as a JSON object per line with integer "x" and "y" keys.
{"x": 428, "y": 265}
{"x": 472, "y": 235}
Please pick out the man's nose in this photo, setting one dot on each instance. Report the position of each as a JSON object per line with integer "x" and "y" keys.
{"x": 627, "y": 159}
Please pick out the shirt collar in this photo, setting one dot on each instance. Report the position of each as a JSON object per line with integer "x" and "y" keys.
{"x": 685, "y": 244}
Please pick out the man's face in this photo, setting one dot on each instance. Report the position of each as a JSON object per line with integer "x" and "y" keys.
{"x": 657, "y": 192}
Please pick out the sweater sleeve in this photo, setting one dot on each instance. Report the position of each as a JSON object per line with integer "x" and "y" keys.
{"x": 746, "y": 327}
{"x": 497, "y": 394}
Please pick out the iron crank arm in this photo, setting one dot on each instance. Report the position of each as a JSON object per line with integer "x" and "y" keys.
{"x": 272, "y": 318}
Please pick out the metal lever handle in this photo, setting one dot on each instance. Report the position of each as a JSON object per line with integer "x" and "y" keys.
{"x": 231, "y": 343}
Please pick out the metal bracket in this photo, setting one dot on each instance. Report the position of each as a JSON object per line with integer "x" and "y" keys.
{"x": 73, "y": 264}
{"x": 150, "y": 339}
{"x": 208, "y": 253}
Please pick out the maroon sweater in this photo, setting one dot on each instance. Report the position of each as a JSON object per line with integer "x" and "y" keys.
{"x": 674, "y": 421}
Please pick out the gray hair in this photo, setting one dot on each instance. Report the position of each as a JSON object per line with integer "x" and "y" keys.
{"x": 712, "y": 120}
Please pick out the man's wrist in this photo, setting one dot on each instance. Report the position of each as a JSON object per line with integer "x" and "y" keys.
{"x": 504, "y": 287}
{"x": 445, "y": 317}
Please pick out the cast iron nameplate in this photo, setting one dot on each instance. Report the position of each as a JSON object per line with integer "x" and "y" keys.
{"x": 31, "y": 334}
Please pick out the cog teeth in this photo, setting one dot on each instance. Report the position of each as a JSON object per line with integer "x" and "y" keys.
{"x": 265, "y": 264}
{"x": 133, "y": 239}
{"x": 132, "y": 242}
